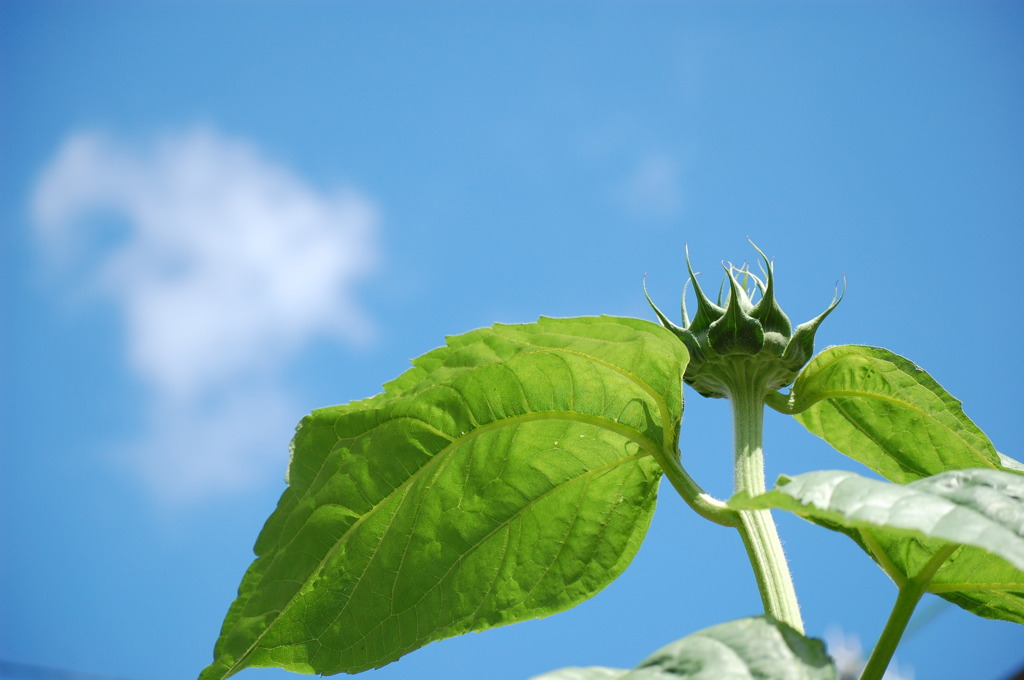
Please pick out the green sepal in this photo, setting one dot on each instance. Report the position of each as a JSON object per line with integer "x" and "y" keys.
{"x": 767, "y": 309}
{"x": 742, "y": 342}
{"x": 707, "y": 311}
{"x": 801, "y": 346}
{"x": 736, "y": 332}
{"x": 684, "y": 334}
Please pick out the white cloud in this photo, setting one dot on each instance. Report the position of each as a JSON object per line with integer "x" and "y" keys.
{"x": 849, "y": 659}
{"x": 230, "y": 265}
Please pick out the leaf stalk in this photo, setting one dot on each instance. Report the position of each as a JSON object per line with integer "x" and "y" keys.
{"x": 701, "y": 502}
{"x": 911, "y": 591}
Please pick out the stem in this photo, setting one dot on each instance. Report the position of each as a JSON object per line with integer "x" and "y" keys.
{"x": 757, "y": 527}
{"x": 911, "y": 592}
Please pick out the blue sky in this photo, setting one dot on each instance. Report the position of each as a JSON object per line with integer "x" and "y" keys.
{"x": 217, "y": 218}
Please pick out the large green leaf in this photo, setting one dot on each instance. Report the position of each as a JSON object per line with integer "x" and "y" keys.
{"x": 903, "y": 527}
{"x": 884, "y": 411}
{"x": 758, "y": 648}
{"x": 506, "y": 476}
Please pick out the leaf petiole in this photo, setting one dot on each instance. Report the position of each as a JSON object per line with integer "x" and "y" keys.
{"x": 910, "y": 593}
{"x": 701, "y": 502}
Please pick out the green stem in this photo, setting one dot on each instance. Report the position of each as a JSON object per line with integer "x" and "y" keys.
{"x": 757, "y": 527}
{"x": 703, "y": 503}
{"x": 911, "y": 592}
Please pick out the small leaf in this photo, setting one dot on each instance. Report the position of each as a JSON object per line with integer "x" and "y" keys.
{"x": 902, "y": 526}
{"x": 506, "y": 476}
{"x": 758, "y": 648}
{"x": 882, "y": 410}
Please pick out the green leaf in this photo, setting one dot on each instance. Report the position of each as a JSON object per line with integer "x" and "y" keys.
{"x": 884, "y": 411}
{"x": 758, "y": 648}
{"x": 506, "y": 476}
{"x": 903, "y": 526}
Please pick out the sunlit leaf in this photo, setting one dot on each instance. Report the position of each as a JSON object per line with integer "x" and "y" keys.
{"x": 506, "y": 476}
{"x": 747, "y": 649}
{"x": 903, "y": 526}
{"x": 884, "y": 411}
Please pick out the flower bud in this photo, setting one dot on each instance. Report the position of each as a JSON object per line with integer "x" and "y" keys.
{"x": 737, "y": 343}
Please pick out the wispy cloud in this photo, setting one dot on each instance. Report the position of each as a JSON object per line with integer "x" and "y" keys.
{"x": 229, "y": 265}
{"x": 849, "y": 659}
{"x": 654, "y": 187}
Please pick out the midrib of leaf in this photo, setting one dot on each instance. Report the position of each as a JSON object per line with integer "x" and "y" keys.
{"x": 646, "y": 446}
{"x": 875, "y": 550}
{"x": 833, "y": 361}
{"x": 830, "y": 394}
{"x": 585, "y": 476}
{"x": 857, "y": 426}
{"x": 967, "y": 587}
